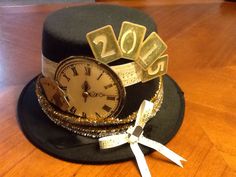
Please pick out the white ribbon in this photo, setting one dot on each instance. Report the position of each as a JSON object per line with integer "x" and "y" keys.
{"x": 134, "y": 135}
{"x": 129, "y": 73}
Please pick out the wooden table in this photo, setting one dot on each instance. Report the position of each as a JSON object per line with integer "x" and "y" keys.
{"x": 201, "y": 36}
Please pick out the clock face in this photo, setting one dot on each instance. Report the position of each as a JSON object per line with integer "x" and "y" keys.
{"x": 92, "y": 89}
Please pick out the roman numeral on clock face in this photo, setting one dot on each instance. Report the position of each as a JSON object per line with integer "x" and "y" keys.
{"x": 75, "y": 73}
{"x": 63, "y": 87}
{"x": 84, "y": 115}
{"x": 108, "y": 86}
{"x": 97, "y": 115}
{"x": 100, "y": 75}
{"x": 106, "y": 108}
{"x": 73, "y": 110}
{"x": 87, "y": 70}
{"x": 65, "y": 76}
{"x": 111, "y": 98}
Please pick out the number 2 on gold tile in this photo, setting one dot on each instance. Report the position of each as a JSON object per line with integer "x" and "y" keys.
{"x": 104, "y": 44}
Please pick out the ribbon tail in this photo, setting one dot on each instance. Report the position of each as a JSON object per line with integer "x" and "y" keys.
{"x": 144, "y": 113}
{"x": 163, "y": 150}
{"x": 143, "y": 168}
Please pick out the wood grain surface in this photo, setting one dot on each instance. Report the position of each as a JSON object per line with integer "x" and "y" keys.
{"x": 201, "y": 39}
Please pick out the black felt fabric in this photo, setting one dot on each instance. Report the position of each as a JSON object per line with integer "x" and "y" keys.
{"x": 63, "y": 144}
{"x": 64, "y": 35}
{"x": 64, "y": 31}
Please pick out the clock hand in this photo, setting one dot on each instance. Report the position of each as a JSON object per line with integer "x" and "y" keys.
{"x": 94, "y": 94}
{"x": 99, "y": 94}
{"x": 85, "y": 87}
{"x": 85, "y": 95}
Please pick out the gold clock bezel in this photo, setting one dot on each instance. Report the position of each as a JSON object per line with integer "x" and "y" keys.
{"x": 78, "y": 59}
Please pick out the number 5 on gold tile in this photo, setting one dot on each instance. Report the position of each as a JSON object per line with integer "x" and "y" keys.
{"x": 158, "y": 68}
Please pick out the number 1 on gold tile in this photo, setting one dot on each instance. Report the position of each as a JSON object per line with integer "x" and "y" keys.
{"x": 152, "y": 48}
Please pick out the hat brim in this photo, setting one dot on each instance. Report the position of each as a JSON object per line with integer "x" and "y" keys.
{"x": 63, "y": 144}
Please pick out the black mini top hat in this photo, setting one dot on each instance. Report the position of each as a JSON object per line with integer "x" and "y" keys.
{"x": 64, "y": 36}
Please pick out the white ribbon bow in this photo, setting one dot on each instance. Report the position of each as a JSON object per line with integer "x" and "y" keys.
{"x": 134, "y": 135}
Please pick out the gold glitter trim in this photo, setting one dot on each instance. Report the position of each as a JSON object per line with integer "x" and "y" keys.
{"x": 88, "y": 127}
{"x": 53, "y": 111}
